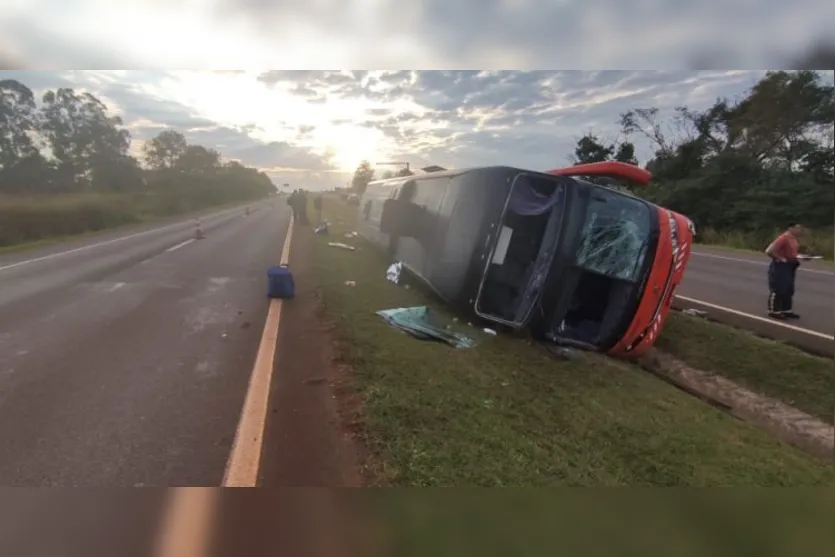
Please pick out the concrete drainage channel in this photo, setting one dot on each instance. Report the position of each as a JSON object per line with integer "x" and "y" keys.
{"x": 784, "y": 422}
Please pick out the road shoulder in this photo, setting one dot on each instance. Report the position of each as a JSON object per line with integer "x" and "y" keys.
{"x": 307, "y": 443}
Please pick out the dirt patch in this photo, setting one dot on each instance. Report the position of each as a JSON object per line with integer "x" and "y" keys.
{"x": 310, "y": 439}
{"x": 781, "y": 420}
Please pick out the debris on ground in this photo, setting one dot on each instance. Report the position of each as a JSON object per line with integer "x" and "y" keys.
{"x": 418, "y": 322}
{"x": 341, "y": 246}
{"x": 350, "y": 283}
{"x": 351, "y": 234}
{"x": 393, "y": 272}
{"x": 563, "y": 352}
{"x": 694, "y": 312}
{"x": 321, "y": 229}
{"x": 490, "y": 331}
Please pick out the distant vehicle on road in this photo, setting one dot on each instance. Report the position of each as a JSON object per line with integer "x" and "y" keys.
{"x": 574, "y": 262}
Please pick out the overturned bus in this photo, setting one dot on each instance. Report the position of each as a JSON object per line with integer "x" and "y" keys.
{"x": 574, "y": 262}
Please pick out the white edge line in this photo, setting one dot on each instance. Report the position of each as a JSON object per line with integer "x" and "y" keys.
{"x": 761, "y": 263}
{"x": 106, "y": 242}
{"x": 180, "y": 245}
{"x": 245, "y": 457}
{"x": 758, "y": 318}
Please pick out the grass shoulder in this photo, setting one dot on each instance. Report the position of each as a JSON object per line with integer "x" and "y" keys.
{"x": 765, "y": 366}
{"x": 506, "y": 413}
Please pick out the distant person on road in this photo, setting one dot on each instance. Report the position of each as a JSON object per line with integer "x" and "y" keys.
{"x": 301, "y": 204}
{"x": 292, "y": 201}
{"x": 782, "y": 270}
{"x": 317, "y": 206}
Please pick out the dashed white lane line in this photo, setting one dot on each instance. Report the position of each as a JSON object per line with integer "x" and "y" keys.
{"x": 180, "y": 245}
{"x": 116, "y": 286}
{"x": 245, "y": 458}
{"x": 760, "y": 263}
{"x": 757, "y": 318}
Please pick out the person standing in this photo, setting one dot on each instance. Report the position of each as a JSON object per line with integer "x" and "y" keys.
{"x": 782, "y": 271}
{"x": 317, "y": 206}
{"x": 293, "y": 202}
{"x": 302, "y": 208}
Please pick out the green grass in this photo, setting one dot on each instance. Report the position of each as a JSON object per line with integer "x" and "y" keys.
{"x": 506, "y": 413}
{"x": 765, "y": 366}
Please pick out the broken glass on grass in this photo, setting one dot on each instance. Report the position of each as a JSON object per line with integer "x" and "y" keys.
{"x": 419, "y": 322}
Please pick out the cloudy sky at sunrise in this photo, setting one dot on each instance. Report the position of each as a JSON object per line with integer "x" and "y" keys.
{"x": 311, "y": 128}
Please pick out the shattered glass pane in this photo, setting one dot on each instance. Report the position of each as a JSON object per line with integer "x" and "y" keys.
{"x": 615, "y": 236}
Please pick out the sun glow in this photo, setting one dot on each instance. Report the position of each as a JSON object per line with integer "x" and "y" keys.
{"x": 349, "y": 145}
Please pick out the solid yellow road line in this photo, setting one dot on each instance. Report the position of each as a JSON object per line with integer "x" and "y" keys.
{"x": 245, "y": 458}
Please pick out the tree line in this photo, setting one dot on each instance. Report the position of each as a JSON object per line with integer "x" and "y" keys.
{"x": 365, "y": 174}
{"x": 66, "y": 167}
{"x": 742, "y": 168}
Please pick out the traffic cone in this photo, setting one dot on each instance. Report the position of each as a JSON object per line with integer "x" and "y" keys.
{"x": 198, "y": 230}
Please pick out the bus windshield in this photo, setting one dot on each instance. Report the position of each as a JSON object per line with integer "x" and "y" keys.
{"x": 615, "y": 235}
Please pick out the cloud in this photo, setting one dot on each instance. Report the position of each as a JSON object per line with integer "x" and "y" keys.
{"x": 523, "y": 34}
{"x": 313, "y": 127}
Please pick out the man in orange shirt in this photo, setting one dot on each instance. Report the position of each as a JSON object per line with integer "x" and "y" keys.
{"x": 782, "y": 272}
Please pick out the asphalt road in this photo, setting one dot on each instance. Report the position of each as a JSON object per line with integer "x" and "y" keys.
{"x": 124, "y": 359}
{"x": 737, "y": 280}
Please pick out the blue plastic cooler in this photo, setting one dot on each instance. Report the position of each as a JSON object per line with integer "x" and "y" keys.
{"x": 280, "y": 283}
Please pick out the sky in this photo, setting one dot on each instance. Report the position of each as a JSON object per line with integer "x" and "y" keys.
{"x": 311, "y": 127}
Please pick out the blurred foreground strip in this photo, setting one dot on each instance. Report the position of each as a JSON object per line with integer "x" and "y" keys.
{"x": 187, "y": 523}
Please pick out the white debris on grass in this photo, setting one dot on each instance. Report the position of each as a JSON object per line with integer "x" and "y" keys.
{"x": 341, "y": 246}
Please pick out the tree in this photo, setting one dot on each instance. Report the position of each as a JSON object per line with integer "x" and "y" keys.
{"x": 163, "y": 151}
{"x": 117, "y": 173}
{"x": 403, "y": 172}
{"x": 646, "y": 122}
{"x": 784, "y": 116}
{"x": 748, "y": 166}
{"x": 81, "y": 134}
{"x": 589, "y": 149}
{"x": 363, "y": 175}
{"x": 387, "y": 175}
{"x": 196, "y": 159}
{"x": 626, "y": 153}
{"x": 18, "y": 121}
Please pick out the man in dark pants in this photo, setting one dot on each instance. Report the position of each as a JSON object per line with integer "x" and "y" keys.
{"x": 782, "y": 272}
{"x": 317, "y": 206}
{"x": 302, "y": 208}
{"x": 293, "y": 202}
